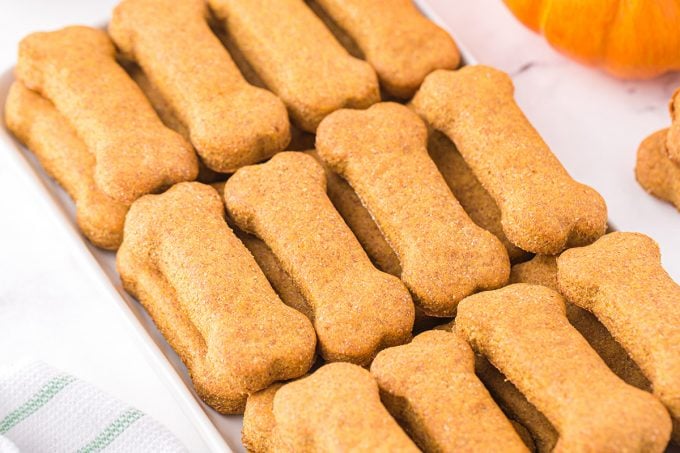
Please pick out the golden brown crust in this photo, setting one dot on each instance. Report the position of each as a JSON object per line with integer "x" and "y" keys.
{"x": 259, "y": 421}
{"x": 430, "y": 387}
{"x": 358, "y": 310}
{"x": 209, "y": 299}
{"x": 396, "y": 39}
{"x": 655, "y": 171}
{"x": 37, "y": 123}
{"x": 465, "y": 186}
{"x": 359, "y": 220}
{"x": 75, "y": 68}
{"x": 381, "y": 152}
{"x": 230, "y": 122}
{"x": 516, "y": 406}
{"x": 542, "y": 270}
{"x": 543, "y": 209}
{"x": 337, "y": 408}
{"x": 619, "y": 278}
{"x": 523, "y": 330}
{"x": 298, "y": 58}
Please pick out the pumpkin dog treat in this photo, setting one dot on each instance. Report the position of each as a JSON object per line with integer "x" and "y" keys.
{"x": 135, "y": 153}
{"x": 655, "y": 171}
{"x": 358, "y": 310}
{"x": 465, "y": 186}
{"x": 523, "y": 330}
{"x": 337, "y": 408}
{"x": 37, "y": 124}
{"x": 619, "y": 278}
{"x": 259, "y": 422}
{"x": 542, "y": 270}
{"x": 430, "y": 387}
{"x": 401, "y": 45}
{"x": 208, "y": 297}
{"x": 230, "y": 122}
{"x": 359, "y": 220}
{"x": 298, "y": 58}
{"x": 382, "y": 153}
{"x": 543, "y": 210}
{"x": 673, "y": 138}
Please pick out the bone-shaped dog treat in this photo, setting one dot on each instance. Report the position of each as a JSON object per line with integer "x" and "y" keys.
{"x": 258, "y": 421}
{"x": 135, "y": 153}
{"x": 230, "y": 122}
{"x": 298, "y": 58}
{"x": 209, "y": 299}
{"x": 655, "y": 171}
{"x": 673, "y": 138}
{"x": 465, "y": 186}
{"x": 543, "y": 209}
{"x": 359, "y": 220}
{"x": 358, "y": 310}
{"x": 337, "y": 408}
{"x": 37, "y": 124}
{"x": 542, "y": 270}
{"x": 430, "y": 387}
{"x": 401, "y": 45}
{"x": 620, "y": 280}
{"x": 523, "y": 330}
{"x": 382, "y": 154}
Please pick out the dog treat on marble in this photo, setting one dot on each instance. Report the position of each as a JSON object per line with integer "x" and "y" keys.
{"x": 230, "y": 122}
{"x": 381, "y": 152}
{"x": 75, "y": 68}
{"x": 358, "y": 310}
{"x": 542, "y": 270}
{"x": 523, "y": 330}
{"x": 673, "y": 137}
{"x": 465, "y": 186}
{"x": 655, "y": 171}
{"x": 430, "y": 387}
{"x": 359, "y": 220}
{"x": 543, "y": 210}
{"x": 298, "y": 58}
{"x": 209, "y": 298}
{"x": 37, "y": 123}
{"x": 258, "y": 421}
{"x": 620, "y": 280}
{"x": 396, "y": 39}
{"x": 337, "y": 408}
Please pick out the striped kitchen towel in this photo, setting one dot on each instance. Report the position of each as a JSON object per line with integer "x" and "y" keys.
{"x": 45, "y": 410}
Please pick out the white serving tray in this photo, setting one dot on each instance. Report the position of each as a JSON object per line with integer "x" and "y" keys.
{"x": 221, "y": 433}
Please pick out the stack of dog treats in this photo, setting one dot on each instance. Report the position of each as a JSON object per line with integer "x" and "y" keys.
{"x": 658, "y": 159}
{"x": 293, "y": 290}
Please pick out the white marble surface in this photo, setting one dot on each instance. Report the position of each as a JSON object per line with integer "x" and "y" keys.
{"x": 50, "y": 309}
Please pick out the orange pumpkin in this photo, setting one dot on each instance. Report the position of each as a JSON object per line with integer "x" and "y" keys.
{"x": 628, "y": 38}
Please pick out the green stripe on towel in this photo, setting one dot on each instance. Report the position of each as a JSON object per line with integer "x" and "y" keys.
{"x": 38, "y": 400}
{"x": 111, "y": 432}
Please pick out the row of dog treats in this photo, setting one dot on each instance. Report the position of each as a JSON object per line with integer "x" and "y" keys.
{"x": 544, "y": 365}
{"x": 658, "y": 159}
{"x": 227, "y": 121}
{"x": 439, "y": 253}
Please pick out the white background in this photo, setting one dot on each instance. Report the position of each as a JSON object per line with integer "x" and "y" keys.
{"x": 49, "y": 309}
